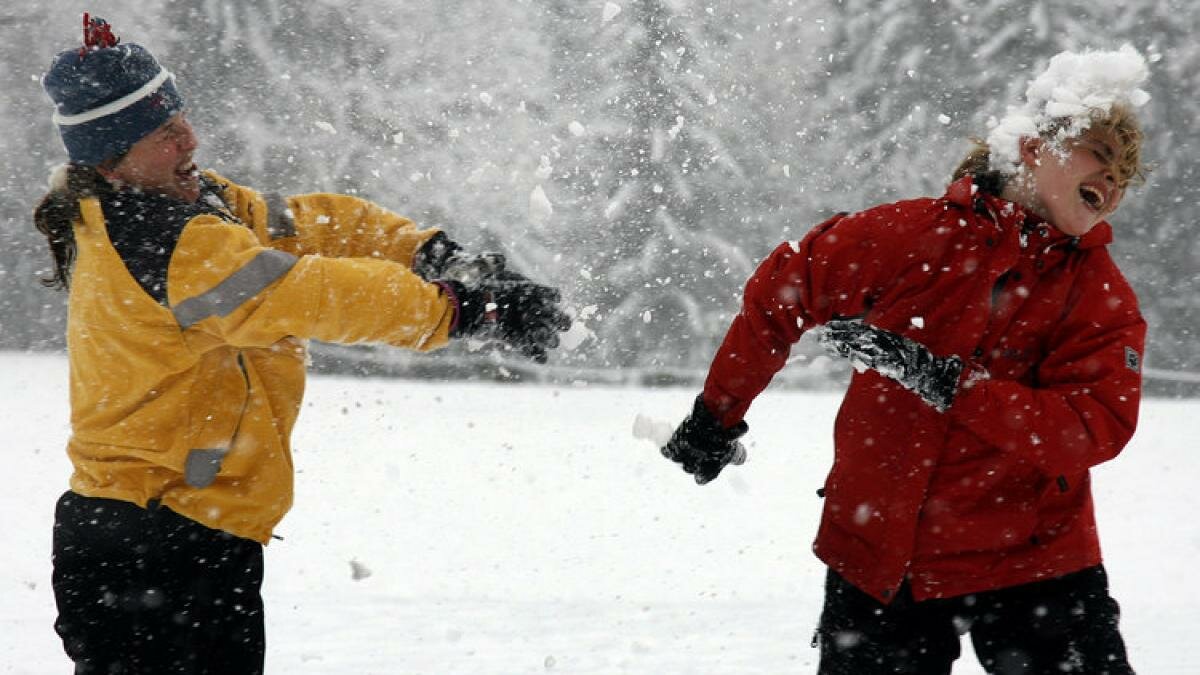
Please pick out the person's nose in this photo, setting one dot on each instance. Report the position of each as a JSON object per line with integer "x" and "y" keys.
{"x": 187, "y": 137}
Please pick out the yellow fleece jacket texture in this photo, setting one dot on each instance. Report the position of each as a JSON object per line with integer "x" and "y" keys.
{"x": 193, "y": 403}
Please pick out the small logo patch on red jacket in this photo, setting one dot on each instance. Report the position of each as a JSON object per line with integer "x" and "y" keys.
{"x": 1133, "y": 361}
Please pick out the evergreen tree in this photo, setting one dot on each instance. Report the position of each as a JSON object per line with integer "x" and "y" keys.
{"x": 657, "y": 233}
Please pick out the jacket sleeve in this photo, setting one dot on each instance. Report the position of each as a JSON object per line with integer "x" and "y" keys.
{"x": 222, "y": 282}
{"x": 1083, "y": 407}
{"x": 331, "y": 225}
{"x": 833, "y": 271}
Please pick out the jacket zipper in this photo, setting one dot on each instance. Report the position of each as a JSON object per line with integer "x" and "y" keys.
{"x": 245, "y": 400}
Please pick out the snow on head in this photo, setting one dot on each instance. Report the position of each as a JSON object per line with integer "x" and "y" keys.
{"x": 1074, "y": 89}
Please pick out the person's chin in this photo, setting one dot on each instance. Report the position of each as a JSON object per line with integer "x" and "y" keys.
{"x": 188, "y": 191}
{"x": 1078, "y": 228}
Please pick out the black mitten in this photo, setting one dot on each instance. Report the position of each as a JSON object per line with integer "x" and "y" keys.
{"x": 522, "y": 315}
{"x": 703, "y": 447}
{"x": 908, "y": 362}
{"x": 441, "y": 258}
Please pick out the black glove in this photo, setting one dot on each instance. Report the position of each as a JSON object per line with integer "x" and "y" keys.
{"x": 441, "y": 258}
{"x": 703, "y": 446}
{"x": 518, "y": 313}
{"x": 933, "y": 378}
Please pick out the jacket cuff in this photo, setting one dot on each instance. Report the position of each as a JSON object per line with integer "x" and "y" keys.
{"x": 451, "y": 295}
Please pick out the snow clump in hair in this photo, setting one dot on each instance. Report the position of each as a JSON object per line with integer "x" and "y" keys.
{"x": 1075, "y": 90}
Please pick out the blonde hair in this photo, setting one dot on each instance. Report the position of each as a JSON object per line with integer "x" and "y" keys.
{"x": 1119, "y": 122}
{"x": 1123, "y": 125}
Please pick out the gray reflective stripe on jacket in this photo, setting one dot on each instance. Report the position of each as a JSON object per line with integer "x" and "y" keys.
{"x": 202, "y": 466}
{"x": 237, "y": 288}
{"x": 280, "y": 222}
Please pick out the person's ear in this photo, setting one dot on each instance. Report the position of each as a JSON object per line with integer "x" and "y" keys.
{"x": 1031, "y": 150}
{"x": 108, "y": 168}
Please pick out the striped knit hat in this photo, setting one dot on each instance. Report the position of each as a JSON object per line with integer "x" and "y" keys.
{"x": 108, "y": 96}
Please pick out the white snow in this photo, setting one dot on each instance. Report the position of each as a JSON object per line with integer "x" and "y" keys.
{"x": 579, "y": 332}
{"x": 545, "y": 169}
{"x": 657, "y": 432}
{"x": 1074, "y": 86}
{"x": 525, "y": 529}
{"x": 611, "y": 10}
{"x": 540, "y": 208}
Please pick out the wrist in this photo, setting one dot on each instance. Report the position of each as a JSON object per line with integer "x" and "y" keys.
{"x": 452, "y": 295}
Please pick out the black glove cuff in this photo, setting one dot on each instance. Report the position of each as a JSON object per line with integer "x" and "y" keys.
{"x": 470, "y": 308}
{"x": 430, "y": 261}
{"x": 949, "y": 371}
{"x": 709, "y": 423}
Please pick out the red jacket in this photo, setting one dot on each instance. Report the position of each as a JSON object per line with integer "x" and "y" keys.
{"x": 995, "y": 492}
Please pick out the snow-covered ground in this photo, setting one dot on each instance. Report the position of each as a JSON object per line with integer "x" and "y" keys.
{"x": 507, "y": 530}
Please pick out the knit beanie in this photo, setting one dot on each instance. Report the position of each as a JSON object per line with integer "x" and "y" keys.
{"x": 107, "y": 96}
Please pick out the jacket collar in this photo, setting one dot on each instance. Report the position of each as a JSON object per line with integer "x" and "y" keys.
{"x": 965, "y": 193}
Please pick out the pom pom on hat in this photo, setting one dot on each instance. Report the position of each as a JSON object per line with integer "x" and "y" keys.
{"x": 108, "y": 95}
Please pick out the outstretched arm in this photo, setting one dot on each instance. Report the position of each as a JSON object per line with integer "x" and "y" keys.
{"x": 330, "y": 225}
{"x": 223, "y": 282}
{"x": 800, "y": 285}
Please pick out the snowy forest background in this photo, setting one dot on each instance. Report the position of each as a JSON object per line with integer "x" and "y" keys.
{"x": 641, "y": 154}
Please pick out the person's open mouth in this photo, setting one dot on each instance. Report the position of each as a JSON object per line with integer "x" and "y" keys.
{"x": 1093, "y": 198}
{"x": 188, "y": 172}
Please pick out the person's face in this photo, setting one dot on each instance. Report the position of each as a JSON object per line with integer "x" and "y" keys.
{"x": 161, "y": 162}
{"x": 1074, "y": 185}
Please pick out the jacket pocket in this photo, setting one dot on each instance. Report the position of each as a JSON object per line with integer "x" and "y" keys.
{"x": 1060, "y": 504}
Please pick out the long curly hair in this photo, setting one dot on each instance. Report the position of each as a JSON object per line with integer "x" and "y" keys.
{"x": 57, "y": 212}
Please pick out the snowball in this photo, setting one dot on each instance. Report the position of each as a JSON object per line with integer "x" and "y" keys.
{"x": 574, "y": 336}
{"x": 1074, "y": 86}
{"x": 611, "y": 10}
{"x": 576, "y": 128}
{"x": 326, "y": 127}
{"x": 657, "y": 432}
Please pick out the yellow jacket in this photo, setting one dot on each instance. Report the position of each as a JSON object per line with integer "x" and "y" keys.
{"x": 192, "y": 402}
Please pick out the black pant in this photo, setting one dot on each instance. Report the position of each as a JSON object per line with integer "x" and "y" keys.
{"x": 147, "y": 591}
{"x": 1063, "y": 625}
